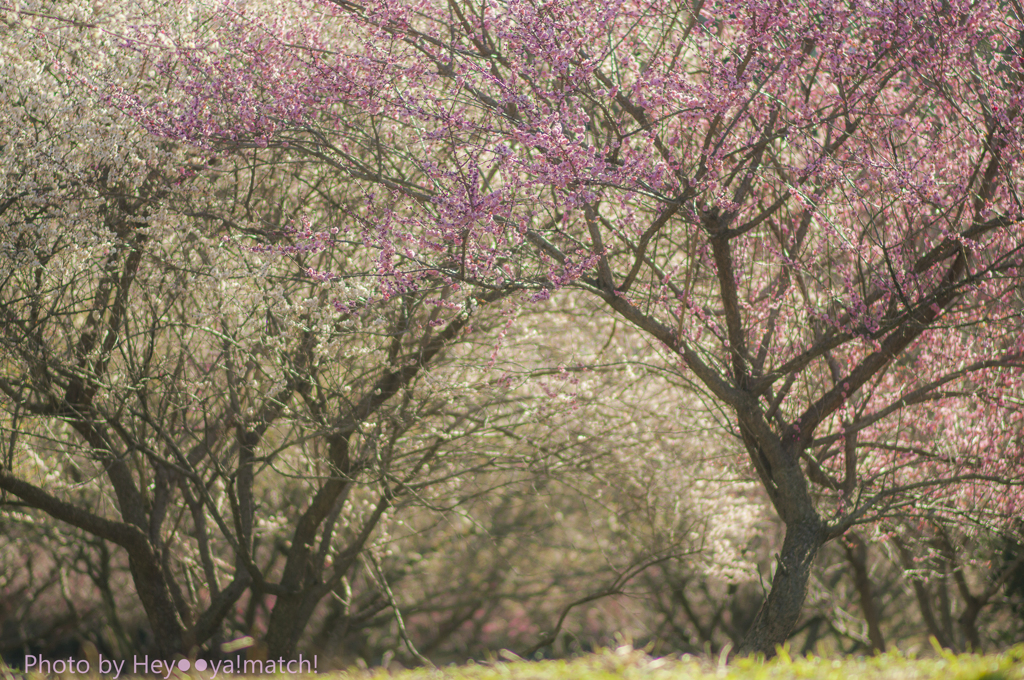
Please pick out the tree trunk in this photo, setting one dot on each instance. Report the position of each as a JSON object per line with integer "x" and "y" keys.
{"x": 969, "y": 625}
{"x": 857, "y": 555}
{"x": 780, "y": 612}
{"x": 293, "y": 610}
{"x": 286, "y": 625}
{"x": 168, "y": 629}
{"x": 147, "y": 572}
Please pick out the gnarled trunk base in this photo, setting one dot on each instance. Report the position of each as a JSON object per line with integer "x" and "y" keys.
{"x": 780, "y": 612}
{"x": 168, "y": 630}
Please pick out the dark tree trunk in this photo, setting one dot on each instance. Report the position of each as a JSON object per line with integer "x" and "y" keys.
{"x": 168, "y": 629}
{"x": 780, "y": 612}
{"x": 287, "y": 621}
{"x": 857, "y": 555}
{"x": 968, "y": 621}
{"x": 302, "y": 583}
{"x": 293, "y": 610}
{"x": 147, "y": 572}
{"x": 779, "y": 468}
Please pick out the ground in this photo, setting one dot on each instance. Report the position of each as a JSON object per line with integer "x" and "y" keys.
{"x": 626, "y": 663}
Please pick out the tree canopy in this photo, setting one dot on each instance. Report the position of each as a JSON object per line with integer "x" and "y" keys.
{"x": 811, "y": 211}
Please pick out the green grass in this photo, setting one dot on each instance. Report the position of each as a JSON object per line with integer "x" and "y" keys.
{"x": 627, "y": 664}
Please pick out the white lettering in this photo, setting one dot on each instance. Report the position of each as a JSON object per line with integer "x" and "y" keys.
{"x": 111, "y": 667}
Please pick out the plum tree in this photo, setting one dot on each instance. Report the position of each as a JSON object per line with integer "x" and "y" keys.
{"x": 811, "y": 207}
{"x": 193, "y": 373}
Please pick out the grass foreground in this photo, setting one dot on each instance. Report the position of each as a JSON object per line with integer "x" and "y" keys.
{"x": 628, "y": 664}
